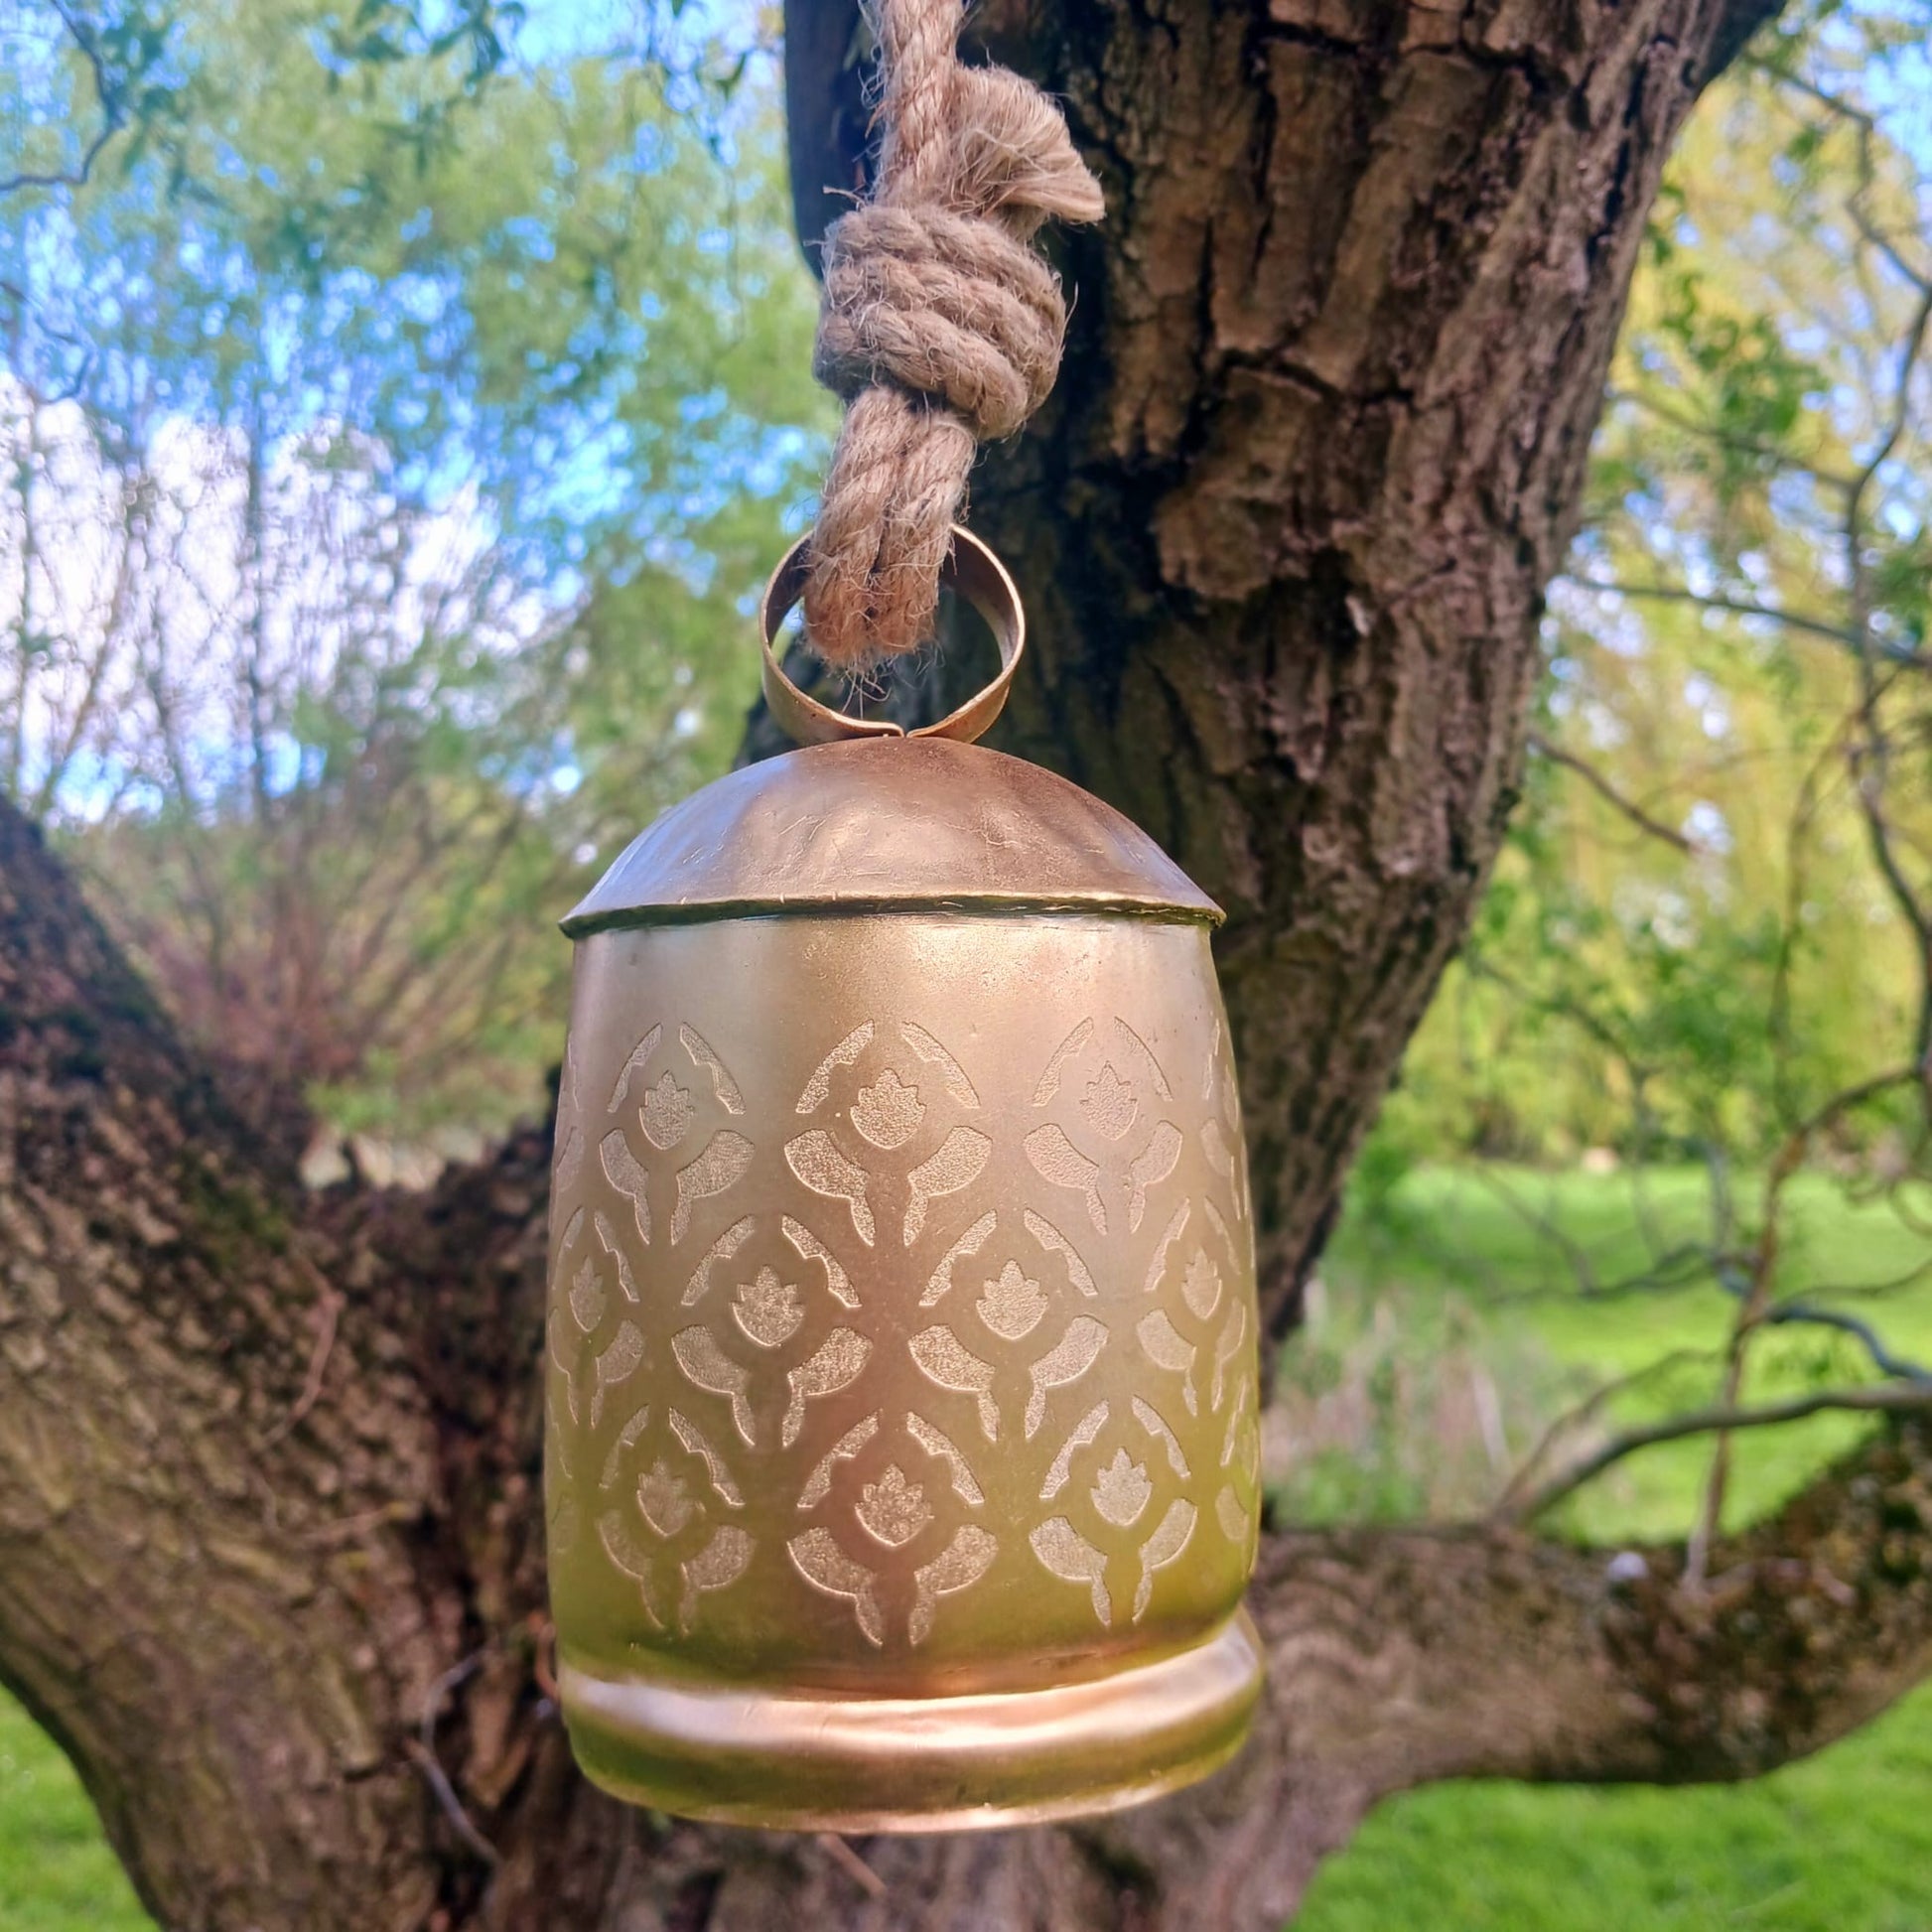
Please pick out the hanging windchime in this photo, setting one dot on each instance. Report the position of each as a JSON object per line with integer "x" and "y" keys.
{"x": 901, "y": 1463}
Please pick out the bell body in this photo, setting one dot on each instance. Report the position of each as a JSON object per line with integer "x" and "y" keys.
{"x": 902, "y": 1459}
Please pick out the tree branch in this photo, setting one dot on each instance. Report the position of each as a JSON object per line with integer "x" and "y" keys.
{"x": 1653, "y": 827}
{"x": 108, "y": 92}
{"x": 1740, "y": 20}
{"x": 1814, "y": 627}
{"x": 1891, "y": 1399}
{"x": 166, "y": 1594}
{"x": 1804, "y": 1314}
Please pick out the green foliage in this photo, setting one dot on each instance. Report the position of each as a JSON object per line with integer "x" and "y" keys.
{"x": 430, "y": 392}
{"x": 1705, "y": 922}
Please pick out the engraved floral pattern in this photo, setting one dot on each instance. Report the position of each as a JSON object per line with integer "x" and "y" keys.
{"x": 1201, "y": 1287}
{"x": 1011, "y": 1305}
{"x": 766, "y": 1310}
{"x": 1121, "y": 1490}
{"x": 817, "y": 1336}
{"x": 1109, "y": 1103}
{"x": 893, "y": 1509}
{"x": 666, "y": 1114}
{"x": 887, "y": 1113}
{"x": 663, "y": 1499}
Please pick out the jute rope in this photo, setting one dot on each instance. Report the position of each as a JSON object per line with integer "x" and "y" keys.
{"x": 939, "y": 327}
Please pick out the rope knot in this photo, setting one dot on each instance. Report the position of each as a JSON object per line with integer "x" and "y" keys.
{"x": 943, "y": 306}
{"x": 939, "y": 322}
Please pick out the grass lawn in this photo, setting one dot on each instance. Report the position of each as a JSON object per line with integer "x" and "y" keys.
{"x": 1840, "y": 1844}
{"x": 1499, "y": 1253}
{"x": 1481, "y": 1269}
{"x": 57, "y": 1873}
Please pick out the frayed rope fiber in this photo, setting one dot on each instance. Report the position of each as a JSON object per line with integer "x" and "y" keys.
{"x": 940, "y": 326}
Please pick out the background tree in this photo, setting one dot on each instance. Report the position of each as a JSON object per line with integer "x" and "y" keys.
{"x": 268, "y": 1519}
{"x": 340, "y": 472}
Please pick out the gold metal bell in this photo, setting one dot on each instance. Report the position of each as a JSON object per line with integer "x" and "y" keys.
{"x": 902, "y": 1462}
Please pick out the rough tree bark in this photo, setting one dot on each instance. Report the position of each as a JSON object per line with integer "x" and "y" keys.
{"x": 269, "y": 1558}
{"x": 1317, "y": 445}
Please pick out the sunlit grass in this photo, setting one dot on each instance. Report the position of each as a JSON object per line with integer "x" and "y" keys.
{"x": 57, "y": 1873}
{"x": 1499, "y": 1252}
{"x": 1842, "y": 1843}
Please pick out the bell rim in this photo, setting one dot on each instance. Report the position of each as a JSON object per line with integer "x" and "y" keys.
{"x": 1148, "y": 912}
{"x": 739, "y": 1754}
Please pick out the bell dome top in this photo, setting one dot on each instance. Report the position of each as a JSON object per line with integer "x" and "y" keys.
{"x": 895, "y": 824}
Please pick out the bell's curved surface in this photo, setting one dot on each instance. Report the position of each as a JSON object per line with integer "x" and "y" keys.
{"x": 902, "y": 1459}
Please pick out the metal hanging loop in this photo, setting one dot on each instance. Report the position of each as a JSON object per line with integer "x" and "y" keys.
{"x": 974, "y": 572}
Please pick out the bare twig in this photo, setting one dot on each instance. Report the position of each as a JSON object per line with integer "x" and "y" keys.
{"x": 1557, "y": 1008}
{"x": 1810, "y": 625}
{"x": 1587, "y": 1410}
{"x": 1867, "y": 130}
{"x": 421, "y": 1752}
{"x": 444, "y": 1792}
{"x": 1884, "y": 1399}
{"x": 1811, "y": 792}
{"x": 1726, "y": 439}
{"x": 112, "y": 114}
{"x": 1573, "y": 1251}
{"x": 1871, "y": 758}
{"x": 1807, "y": 1314}
{"x": 1755, "y": 1302}
{"x": 328, "y": 1310}
{"x": 1608, "y": 793}
{"x": 851, "y": 1864}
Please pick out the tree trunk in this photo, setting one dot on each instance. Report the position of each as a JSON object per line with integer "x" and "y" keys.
{"x": 1282, "y": 532}
{"x": 270, "y": 1563}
